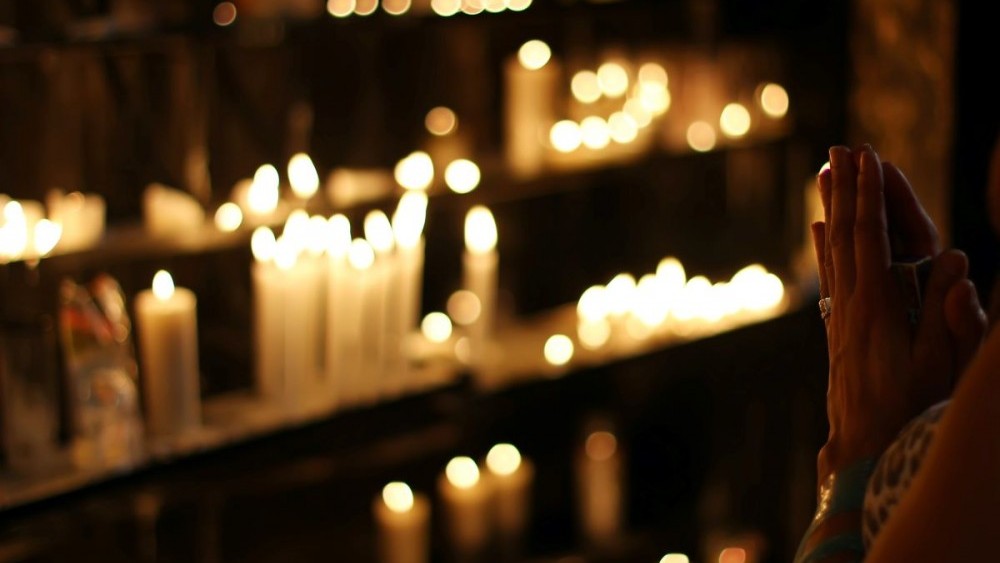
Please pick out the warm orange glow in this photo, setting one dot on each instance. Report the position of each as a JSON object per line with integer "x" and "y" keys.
{"x": 47, "y": 235}
{"x": 415, "y": 172}
{"x": 480, "y": 230}
{"x": 163, "y": 285}
{"x": 464, "y": 306}
{"x": 462, "y": 176}
{"x": 338, "y": 228}
{"x": 653, "y": 72}
{"x": 654, "y": 97}
{"x": 441, "y": 121}
{"x": 595, "y": 133}
{"x": 378, "y": 232}
{"x": 593, "y": 334}
{"x": 263, "y": 195}
{"x": 494, "y": 6}
{"x": 340, "y": 8}
{"x": 675, "y": 558}
{"x": 228, "y": 217}
{"x": 635, "y": 109}
{"x": 409, "y": 218}
{"x": 398, "y": 497}
{"x": 263, "y": 244}
{"x": 365, "y": 7}
{"x": 361, "y": 256}
{"x": 733, "y": 555}
{"x": 735, "y": 120}
{"x": 558, "y": 350}
{"x": 518, "y": 5}
{"x": 613, "y": 79}
{"x": 224, "y": 14}
{"x": 774, "y": 100}
{"x": 585, "y": 87}
{"x": 620, "y": 294}
{"x": 534, "y": 54}
{"x": 472, "y": 7}
{"x": 436, "y": 327}
{"x": 302, "y": 176}
{"x": 623, "y": 128}
{"x": 396, "y": 7}
{"x": 462, "y": 472}
{"x": 701, "y": 136}
{"x": 565, "y": 136}
{"x": 601, "y": 446}
{"x": 503, "y": 459}
{"x": 446, "y": 8}
{"x": 593, "y": 304}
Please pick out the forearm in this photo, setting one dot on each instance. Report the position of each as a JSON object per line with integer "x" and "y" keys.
{"x": 835, "y": 532}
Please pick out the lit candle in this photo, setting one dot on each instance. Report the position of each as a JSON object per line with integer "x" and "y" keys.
{"x": 512, "y": 477}
{"x": 300, "y": 281}
{"x": 599, "y": 487}
{"x": 531, "y": 81}
{"x": 465, "y": 498}
{"x": 407, "y": 227}
{"x": 168, "y": 335}
{"x": 268, "y": 316}
{"x": 381, "y": 338}
{"x": 302, "y": 176}
{"x": 341, "y": 304}
{"x": 480, "y": 262}
{"x": 170, "y": 212}
{"x": 358, "y": 388}
{"x": 262, "y": 195}
{"x": 80, "y": 215}
{"x": 403, "y": 522}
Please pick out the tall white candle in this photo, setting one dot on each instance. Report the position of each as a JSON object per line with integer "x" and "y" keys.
{"x": 512, "y": 477}
{"x": 465, "y": 497}
{"x": 479, "y": 269}
{"x": 341, "y": 303}
{"x": 168, "y": 335}
{"x": 269, "y": 317}
{"x": 384, "y": 347}
{"x": 403, "y": 522}
{"x": 359, "y": 385}
{"x": 599, "y": 487}
{"x": 300, "y": 281}
{"x": 531, "y": 81}
{"x": 407, "y": 227}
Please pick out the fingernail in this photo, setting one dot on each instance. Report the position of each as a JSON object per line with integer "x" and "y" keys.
{"x": 839, "y": 156}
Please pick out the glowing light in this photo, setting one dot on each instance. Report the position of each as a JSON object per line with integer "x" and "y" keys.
{"x": 735, "y": 120}
{"x": 585, "y": 87}
{"x": 163, "y": 285}
{"x": 463, "y": 350}
{"x": 649, "y": 306}
{"x": 595, "y": 133}
{"x": 593, "y": 334}
{"x": 701, "y": 136}
{"x": 675, "y": 558}
{"x": 361, "y": 255}
{"x": 441, "y": 121}
{"x": 480, "y": 230}
{"x": 302, "y": 176}
{"x": 340, "y": 8}
{"x": 464, "y": 306}
{"x": 733, "y": 555}
{"x": 558, "y": 350}
{"x": 613, "y": 79}
{"x": 601, "y": 446}
{"x": 503, "y": 459}
{"x": 695, "y": 299}
{"x": 286, "y": 252}
{"x": 409, "y": 218}
{"x": 462, "y": 176}
{"x": 365, "y": 7}
{"x": 398, "y": 497}
{"x": 316, "y": 235}
{"x": 436, "y": 327}
{"x": 654, "y": 97}
{"x": 593, "y": 303}
{"x": 472, "y": 7}
{"x": 670, "y": 275}
{"x": 774, "y": 100}
{"x": 47, "y": 235}
{"x": 415, "y": 172}
{"x": 224, "y": 14}
{"x": 263, "y": 244}
{"x": 378, "y": 231}
{"x": 228, "y": 217}
{"x": 296, "y": 230}
{"x": 623, "y": 128}
{"x": 534, "y": 54}
{"x": 462, "y": 472}
{"x": 620, "y": 294}
{"x": 565, "y": 136}
{"x": 638, "y": 112}
{"x": 446, "y": 8}
{"x": 338, "y": 229}
{"x": 15, "y": 230}
{"x": 263, "y": 194}
{"x": 653, "y": 73}
{"x": 494, "y": 6}
{"x": 396, "y": 7}
{"x": 518, "y": 5}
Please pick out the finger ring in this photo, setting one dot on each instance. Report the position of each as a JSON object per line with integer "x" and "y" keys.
{"x": 825, "y": 307}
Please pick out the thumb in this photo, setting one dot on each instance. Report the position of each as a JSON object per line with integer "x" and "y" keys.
{"x": 933, "y": 343}
{"x": 966, "y": 322}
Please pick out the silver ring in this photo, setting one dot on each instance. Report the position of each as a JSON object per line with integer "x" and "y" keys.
{"x": 825, "y": 307}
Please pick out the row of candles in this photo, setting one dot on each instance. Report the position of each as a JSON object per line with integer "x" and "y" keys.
{"x": 73, "y": 221}
{"x": 225, "y": 14}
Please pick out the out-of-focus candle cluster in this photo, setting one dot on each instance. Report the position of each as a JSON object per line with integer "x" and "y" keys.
{"x": 444, "y": 8}
{"x": 75, "y": 221}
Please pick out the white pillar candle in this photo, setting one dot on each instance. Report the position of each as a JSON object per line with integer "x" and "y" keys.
{"x": 361, "y": 324}
{"x": 466, "y": 501}
{"x": 512, "y": 477}
{"x": 341, "y": 303}
{"x": 300, "y": 281}
{"x": 403, "y": 522}
{"x": 168, "y": 334}
{"x": 384, "y": 348}
{"x": 531, "y": 80}
{"x": 407, "y": 226}
{"x": 268, "y": 317}
{"x": 479, "y": 269}
{"x": 599, "y": 487}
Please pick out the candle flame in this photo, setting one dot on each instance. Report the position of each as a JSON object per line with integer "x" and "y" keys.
{"x": 675, "y": 558}
{"x": 446, "y": 8}
{"x": 558, "y": 350}
{"x": 361, "y": 255}
{"x": 228, "y": 217}
{"x": 593, "y": 303}
{"x": 365, "y": 7}
{"x": 47, "y": 235}
{"x": 623, "y": 127}
{"x": 734, "y": 120}
{"x": 436, "y": 327}
{"x": 378, "y": 231}
{"x": 415, "y": 172}
{"x": 339, "y": 235}
{"x": 595, "y": 133}
{"x": 316, "y": 238}
{"x": 635, "y": 109}
{"x": 340, "y": 8}
{"x": 701, "y": 136}
{"x": 263, "y": 244}
{"x": 601, "y": 445}
{"x": 163, "y": 285}
{"x": 670, "y": 273}
{"x": 565, "y": 136}
{"x": 480, "y": 230}
{"x": 733, "y": 555}
{"x": 286, "y": 253}
{"x": 518, "y": 5}
{"x": 774, "y": 100}
{"x": 621, "y": 294}
{"x": 296, "y": 231}
{"x": 462, "y": 472}
{"x": 396, "y": 7}
{"x": 462, "y": 176}
{"x": 534, "y": 54}
{"x": 263, "y": 194}
{"x": 653, "y": 73}
{"x": 302, "y": 176}
{"x": 398, "y": 497}
{"x": 409, "y": 218}
{"x": 593, "y": 334}
{"x": 585, "y": 87}
{"x": 613, "y": 79}
{"x": 441, "y": 121}
{"x": 654, "y": 97}
{"x": 503, "y": 459}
